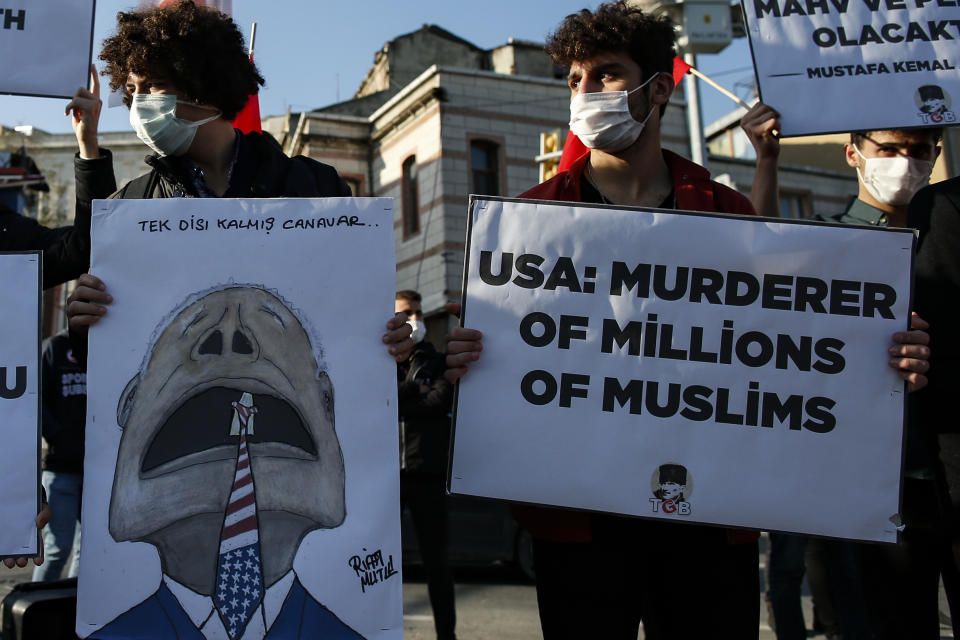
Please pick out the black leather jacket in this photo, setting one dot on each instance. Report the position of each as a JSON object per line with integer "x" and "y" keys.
{"x": 425, "y": 401}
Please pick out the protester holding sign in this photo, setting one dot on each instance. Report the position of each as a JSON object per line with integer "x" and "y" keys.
{"x": 183, "y": 111}
{"x": 886, "y": 589}
{"x": 186, "y": 76}
{"x": 892, "y": 165}
{"x": 588, "y": 585}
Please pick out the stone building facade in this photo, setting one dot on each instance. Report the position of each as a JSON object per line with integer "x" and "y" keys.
{"x": 435, "y": 119}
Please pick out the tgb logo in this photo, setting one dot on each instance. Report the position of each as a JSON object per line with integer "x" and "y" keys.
{"x": 671, "y": 485}
{"x": 934, "y": 105}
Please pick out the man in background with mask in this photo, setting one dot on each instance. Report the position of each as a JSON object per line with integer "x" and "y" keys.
{"x": 882, "y": 590}
{"x": 599, "y": 575}
{"x": 424, "y": 400}
{"x": 891, "y": 164}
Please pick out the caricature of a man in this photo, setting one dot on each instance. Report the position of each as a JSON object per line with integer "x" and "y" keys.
{"x": 672, "y": 481}
{"x": 932, "y": 99}
{"x": 228, "y": 459}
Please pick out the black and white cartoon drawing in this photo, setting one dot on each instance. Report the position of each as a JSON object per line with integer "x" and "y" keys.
{"x": 227, "y": 460}
{"x": 934, "y": 104}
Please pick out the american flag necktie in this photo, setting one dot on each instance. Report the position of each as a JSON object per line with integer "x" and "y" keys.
{"x": 239, "y": 587}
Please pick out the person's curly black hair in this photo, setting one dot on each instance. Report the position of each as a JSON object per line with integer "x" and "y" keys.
{"x": 199, "y": 51}
{"x": 615, "y": 27}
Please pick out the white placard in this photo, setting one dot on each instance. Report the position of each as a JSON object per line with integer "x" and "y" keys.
{"x": 46, "y": 46}
{"x": 695, "y": 367}
{"x": 852, "y": 65}
{"x": 20, "y": 402}
{"x": 261, "y": 317}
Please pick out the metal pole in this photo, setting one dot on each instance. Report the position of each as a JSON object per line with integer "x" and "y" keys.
{"x": 698, "y": 148}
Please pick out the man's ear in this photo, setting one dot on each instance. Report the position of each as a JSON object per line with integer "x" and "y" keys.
{"x": 126, "y": 400}
{"x": 850, "y": 153}
{"x": 662, "y": 88}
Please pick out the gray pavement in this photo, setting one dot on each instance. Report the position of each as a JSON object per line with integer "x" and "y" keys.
{"x": 491, "y": 605}
{"x": 490, "y": 611}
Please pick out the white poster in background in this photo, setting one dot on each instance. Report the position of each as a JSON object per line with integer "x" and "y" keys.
{"x": 688, "y": 367}
{"x": 241, "y": 471}
{"x": 46, "y": 47}
{"x": 850, "y": 65}
{"x": 20, "y": 402}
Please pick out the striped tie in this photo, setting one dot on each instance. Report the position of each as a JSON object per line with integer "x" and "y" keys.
{"x": 239, "y": 588}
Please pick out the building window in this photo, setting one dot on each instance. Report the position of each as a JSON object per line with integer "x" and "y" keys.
{"x": 794, "y": 205}
{"x": 484, "y": 169}
{"x": 411, "y": 198}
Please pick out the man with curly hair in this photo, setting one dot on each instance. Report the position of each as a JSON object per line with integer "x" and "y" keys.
{"x": 186, "y": 76}
{"x": 599, "y": 575}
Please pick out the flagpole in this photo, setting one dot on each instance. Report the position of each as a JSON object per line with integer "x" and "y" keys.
{"x": 253, "y": 38}
{"x": 698, "y": 147}
{"x": 716, "y": 86}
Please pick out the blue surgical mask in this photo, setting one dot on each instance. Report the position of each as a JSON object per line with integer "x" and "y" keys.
{"x": 154, "y": 117}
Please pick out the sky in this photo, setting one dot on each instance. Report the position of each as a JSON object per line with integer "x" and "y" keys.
{"x": 313, "y": 54}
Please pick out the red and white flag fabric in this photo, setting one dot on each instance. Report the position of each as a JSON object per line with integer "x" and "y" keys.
{"x": 248, "y": 120}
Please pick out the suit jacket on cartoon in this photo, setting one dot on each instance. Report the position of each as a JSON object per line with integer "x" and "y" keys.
{"x": 162, "y": 616}
{"x": 228, "y": 458}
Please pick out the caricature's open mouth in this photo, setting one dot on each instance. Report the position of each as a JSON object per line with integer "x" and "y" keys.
{"x": 202, "y": 424}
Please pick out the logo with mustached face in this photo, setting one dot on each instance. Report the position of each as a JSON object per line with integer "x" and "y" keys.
{"x": 671, "y": 485}
{"x": 933, "y": 104}
{"x": 235, "y": 351}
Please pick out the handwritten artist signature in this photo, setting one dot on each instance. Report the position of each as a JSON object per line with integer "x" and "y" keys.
{"x": 371, "y": 568}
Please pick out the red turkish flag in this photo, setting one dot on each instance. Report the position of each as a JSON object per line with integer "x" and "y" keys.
{"x": 248, "y": 120}
{"x": 680, "y": 69}
{"x": 573, "y": 149}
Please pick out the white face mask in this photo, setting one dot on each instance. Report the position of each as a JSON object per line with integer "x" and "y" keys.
{"x": 895, "y": 180}
{"x": 602, "y": 119}
{"x": 419, "y": 330}
{"x": 154, "y": 117}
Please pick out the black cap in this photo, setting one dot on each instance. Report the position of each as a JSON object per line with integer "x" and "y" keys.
{"x": 673, "y": 473}
{"x": 930, "y": 92}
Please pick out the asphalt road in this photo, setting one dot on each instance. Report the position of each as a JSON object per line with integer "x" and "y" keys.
{"x": 491, "y": 608}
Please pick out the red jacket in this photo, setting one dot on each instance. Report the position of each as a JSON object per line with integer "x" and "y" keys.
{"x": 695, "y": 191}
{"x": 692, "y": 185}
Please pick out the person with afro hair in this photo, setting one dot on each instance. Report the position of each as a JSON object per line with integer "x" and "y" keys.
{"x": 185, "y": 75}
